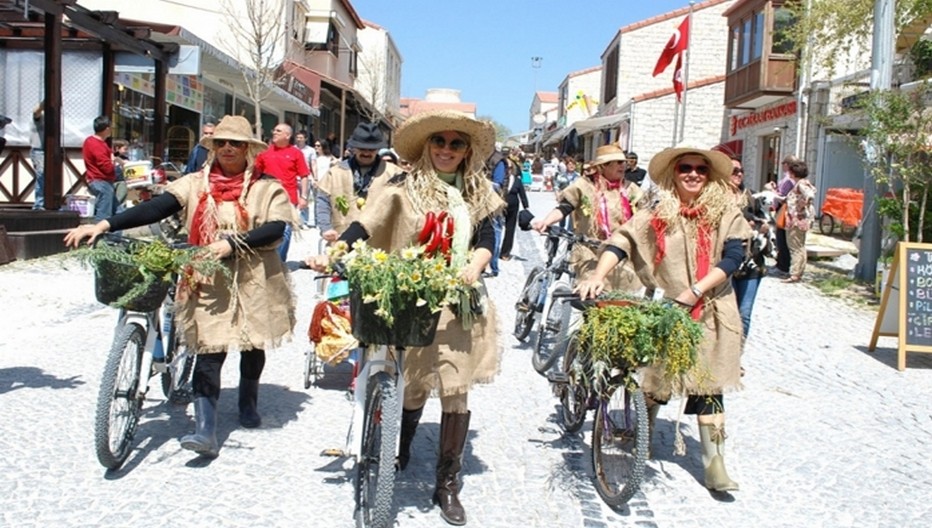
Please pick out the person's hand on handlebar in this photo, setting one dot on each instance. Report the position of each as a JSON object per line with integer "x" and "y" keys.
{"x": 318, "y": 263}
{"x": 330, "y": 235}
{"x": 74, "y": 236}
{"x": 589, "y": 288}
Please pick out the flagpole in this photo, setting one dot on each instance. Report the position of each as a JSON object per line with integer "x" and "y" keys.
{"x": 676, "y": 120}
{"x": 682, "y": 120}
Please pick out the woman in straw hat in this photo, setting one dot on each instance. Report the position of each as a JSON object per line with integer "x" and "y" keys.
{"x": 689, "y": 245}
{"x": 447, "y": 150}
{"x": 239, "y": 216}
{"x": 599, "y": 202}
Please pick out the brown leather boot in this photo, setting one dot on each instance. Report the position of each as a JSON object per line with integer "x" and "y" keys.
{"x": 453, "y": 430}
{"x": 409, "y": 421}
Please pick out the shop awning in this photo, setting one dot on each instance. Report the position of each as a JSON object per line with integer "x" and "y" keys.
{"x": 594, "y": 124}
{"x": 556, "y": 136}
{"x": 731, "y": 148}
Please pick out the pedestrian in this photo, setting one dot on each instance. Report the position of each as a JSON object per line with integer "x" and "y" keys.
{"x": 448, "y": 150}
{"x": 199, "y": 153}
{"x": 310, "y": 157}
{"x": 800, "y": 213}
{"x": 746, "y": 279}
{"x": 285, "y": 162}
{"x": 598, "y": 203}
{"x": 99, "y": 172}
{"x": 689, "y": 245}
{"x": 37, "y": 154}
{"x": 240, "y": 216}
{"x": 120, "y": 157}
{"x": 497, "y": 167}
{"x": 343, "y": 192}
{"x": 783, "y": 187}
{"x": 515, "y": 199}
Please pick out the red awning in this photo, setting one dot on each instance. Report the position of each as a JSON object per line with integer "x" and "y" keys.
{"x": 731, "y": 148}
{"x": 302, "y": 82}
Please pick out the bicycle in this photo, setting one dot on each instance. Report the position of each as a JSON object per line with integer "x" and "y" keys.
{"x": 138, "y": 353}
{"x": 556, "y": 318}
{"x": 379, "y": 384}
{"x": 620, "y": 430}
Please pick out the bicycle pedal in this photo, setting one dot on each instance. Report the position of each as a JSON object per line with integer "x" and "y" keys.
{"x": 553, "y": 327}
{"x": 558, "y": 377}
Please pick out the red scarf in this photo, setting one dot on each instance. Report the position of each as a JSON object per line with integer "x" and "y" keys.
{"x": 602, "y": 217}
{"x": 223, "y": 189}
{"x": 703, "y": 245}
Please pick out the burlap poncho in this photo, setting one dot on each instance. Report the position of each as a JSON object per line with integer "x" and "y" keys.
{"x": 339, "y": 183}
{"x": 583, "y": 195}
{"x": 458, "y": 358}
{"x": 258, "y": 310}
{"x": 720, "y": 352}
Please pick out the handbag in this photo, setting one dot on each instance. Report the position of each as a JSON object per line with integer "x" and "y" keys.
{"x": 781, "y": 217}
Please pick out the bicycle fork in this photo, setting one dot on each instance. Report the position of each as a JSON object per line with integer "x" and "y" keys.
{"x": 373, "y": 361}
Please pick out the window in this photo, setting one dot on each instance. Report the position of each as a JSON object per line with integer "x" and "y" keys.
{"x": 757, "y": 47}
{"x": 735, "y": 48}
{"x": 745, "y": 42}
{"x": 610, "y": 88}
{"x": 782, "y": 21}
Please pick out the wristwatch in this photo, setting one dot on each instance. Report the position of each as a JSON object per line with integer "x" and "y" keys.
{"x": 696, "y": 291}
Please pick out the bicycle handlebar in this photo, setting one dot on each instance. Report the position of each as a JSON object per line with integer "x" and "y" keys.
{"x": 583, "y": 304}
{"x": 556, "y": 230}
{"x": 120, "y": 239}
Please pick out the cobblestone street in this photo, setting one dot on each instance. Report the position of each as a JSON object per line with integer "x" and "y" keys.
{"x": 824, "y": 434}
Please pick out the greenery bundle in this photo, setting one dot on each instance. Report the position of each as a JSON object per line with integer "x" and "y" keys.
{"x": 131, "y": 268}
{"x": 625, "y": 334}
{"x": 397, "y": 280}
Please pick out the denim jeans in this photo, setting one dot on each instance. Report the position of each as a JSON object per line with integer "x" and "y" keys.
{"x": 498, "y": 223}
{"x": 38, "y": 164}
{"x": 745, "y": 293}
{"x": 286, "y": 243}
{"x": 105, "y": 204}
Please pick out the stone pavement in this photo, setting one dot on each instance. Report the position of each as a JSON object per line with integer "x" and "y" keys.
{"x": 824, "y": 434}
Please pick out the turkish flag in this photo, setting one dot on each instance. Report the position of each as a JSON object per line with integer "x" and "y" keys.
{"x": 678, "y": 43}
{"x": 678, "y": 78}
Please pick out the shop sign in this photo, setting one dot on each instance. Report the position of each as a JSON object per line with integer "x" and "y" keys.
{"x": 298, "y": 89}
{"x": 761, "y": 117}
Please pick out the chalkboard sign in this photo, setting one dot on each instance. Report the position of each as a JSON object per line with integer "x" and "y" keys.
{"x": 918, "y": 290}
{"x": 906, "y": 303}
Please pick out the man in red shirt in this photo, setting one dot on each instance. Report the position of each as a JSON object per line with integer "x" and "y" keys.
{"x": 286, "y": 162}
{"x": 98, "y": 169}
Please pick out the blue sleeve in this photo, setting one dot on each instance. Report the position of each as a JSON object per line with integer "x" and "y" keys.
{"x": 191, "y": 165}
{"x": 323, "y": 211}
{"x": 498, "y": 174}
{"x": 732, "y": 256}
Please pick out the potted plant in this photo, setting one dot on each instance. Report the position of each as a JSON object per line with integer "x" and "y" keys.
{"x": 396, "y": 298}
{"x": 136, "y": 274}
{"x": 622, "y": 334}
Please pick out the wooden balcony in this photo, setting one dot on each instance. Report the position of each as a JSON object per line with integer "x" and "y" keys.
{"x": 761, "y": 82}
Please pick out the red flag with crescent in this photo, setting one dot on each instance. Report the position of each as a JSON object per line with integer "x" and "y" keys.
{"x": 678, "y": 78}
{"x": 678, "y": 43}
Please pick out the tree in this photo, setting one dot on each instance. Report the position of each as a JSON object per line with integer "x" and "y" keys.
{"x": 256, "y": 35}
{"x": 372, "y": 87}
{"x": 501, "y": 131}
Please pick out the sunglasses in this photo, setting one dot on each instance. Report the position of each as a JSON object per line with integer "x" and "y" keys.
{"x": 686, "y": 168}
{"x": 235, "y": 143}
{"x": 456, "y": 145}
{"x": 736, "y": 171}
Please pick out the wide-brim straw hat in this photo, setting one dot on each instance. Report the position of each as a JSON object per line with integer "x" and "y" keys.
{"x": 414, "y": 133}
{"x": 663, "y": 172}
{"x": 607, "y": 153}
{"x": 233, "y": 127}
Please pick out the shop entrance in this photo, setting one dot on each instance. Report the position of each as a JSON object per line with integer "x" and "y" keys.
{"x": 770, "y": 158}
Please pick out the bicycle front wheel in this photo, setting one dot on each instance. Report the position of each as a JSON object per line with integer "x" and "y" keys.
{"x": 552, "y": 336}
{"x": 117, "y": 404}
{"x": 619, "y": 445}
{"x": 527, "y": 304}
{"x": 375, "y": 471}
{"x": 574, "y": 398}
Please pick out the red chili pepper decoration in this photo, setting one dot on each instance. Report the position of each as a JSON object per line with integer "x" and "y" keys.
{"x": 435, "y": 238}
{"x": 429, "y": 221}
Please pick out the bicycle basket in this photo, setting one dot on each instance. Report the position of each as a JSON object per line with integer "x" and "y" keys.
{"x": 415, "y": 326}
{"x": 114, "y": 280}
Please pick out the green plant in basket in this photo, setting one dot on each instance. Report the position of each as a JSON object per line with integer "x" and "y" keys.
{"x": 400, "y": 279}
{"x": 129, "y": 270}
{"x": 637, "y": 333}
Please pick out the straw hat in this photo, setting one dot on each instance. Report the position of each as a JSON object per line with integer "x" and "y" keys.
{"x": 411, "y": 136}
{"x": 607, "y": 153}
{"x": 662, "y": 170}
{"x": 233, "y": 127}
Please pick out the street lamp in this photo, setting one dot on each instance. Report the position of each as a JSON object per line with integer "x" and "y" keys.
{"x": 535, "y": 65}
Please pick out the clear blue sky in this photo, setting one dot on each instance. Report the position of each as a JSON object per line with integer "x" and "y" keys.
{"x": 484, "y": 47}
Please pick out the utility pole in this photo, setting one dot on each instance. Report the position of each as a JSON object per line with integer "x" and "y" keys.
{"x": 881, "y": 79}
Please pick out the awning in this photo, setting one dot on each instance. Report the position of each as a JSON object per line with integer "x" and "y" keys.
{"x": 556, "y": 136}
{"x": 218, "y": 66}
{"x": 731, "y": 148}
{"x": 587, "y": 126}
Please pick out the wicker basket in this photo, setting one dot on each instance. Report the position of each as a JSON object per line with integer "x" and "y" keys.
{"x": 414, "y": 327}
{"x": 113, "y": 280}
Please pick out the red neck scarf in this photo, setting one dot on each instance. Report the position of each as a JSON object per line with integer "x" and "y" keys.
{"x": 703, "y": 245}
{"x": 222, "y": 188}
{"x": 602, "y": 217}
